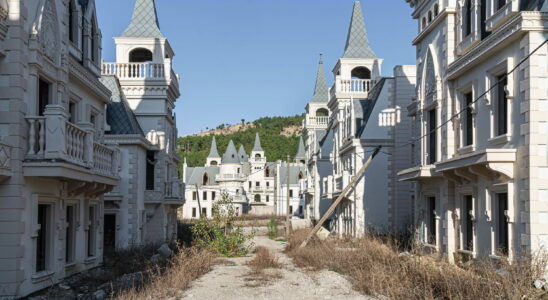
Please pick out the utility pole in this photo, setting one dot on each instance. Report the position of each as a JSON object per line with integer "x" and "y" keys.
{"x": 287, "y": 217}
{"x": 340, "y": 198}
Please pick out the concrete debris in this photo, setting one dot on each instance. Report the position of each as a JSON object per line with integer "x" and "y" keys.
{"x": 323, "y": 234}
{"x": 165, "y": 251}
{"x": 100, "y": 295}
{"x": 539, "y": 284}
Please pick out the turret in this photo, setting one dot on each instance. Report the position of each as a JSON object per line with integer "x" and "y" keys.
{"x": 257, "y": 153}
{"x": 301, "y": 154}
{"x": 213, "y": 158}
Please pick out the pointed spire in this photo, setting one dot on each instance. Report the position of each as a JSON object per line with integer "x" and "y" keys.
{"x": 242, "y": 155}
{"x": 357, "y": 43}
{"x": 257, "y": 145}
{"x": 213, "y": 153}
{"x": 231, "y": 155}
{"x": 300, "y": 152}
{"x": 321, "y": 93}
{"x": 144, "y": 22}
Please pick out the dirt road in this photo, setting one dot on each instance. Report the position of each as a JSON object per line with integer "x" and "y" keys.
{"x": 232, "y": 281}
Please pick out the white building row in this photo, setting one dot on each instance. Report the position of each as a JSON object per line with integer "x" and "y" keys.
{"x": 255, "y": 185}
{"x": 72, "y": 173}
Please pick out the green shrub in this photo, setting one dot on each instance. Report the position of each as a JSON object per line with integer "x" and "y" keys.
{"x": 272, "y": 228}
{"x": 219, "y": 234}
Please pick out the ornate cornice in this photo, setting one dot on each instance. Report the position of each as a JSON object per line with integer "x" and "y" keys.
{"x": 513, "y": 29}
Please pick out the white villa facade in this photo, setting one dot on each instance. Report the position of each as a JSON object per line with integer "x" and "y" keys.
{"x": 255, "y": 185}
{"x": 343, "y": 126}
{"x": 481, "y": 170}
{"x": 143, "y": 207}
{"x": 55, "y": 163}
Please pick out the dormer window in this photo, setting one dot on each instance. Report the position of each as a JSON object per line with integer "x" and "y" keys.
{"x": 140, "y": 55}
{"x": 205, "y": 179}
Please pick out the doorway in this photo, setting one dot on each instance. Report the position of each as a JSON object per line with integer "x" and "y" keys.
{"x": 109, "y": 240}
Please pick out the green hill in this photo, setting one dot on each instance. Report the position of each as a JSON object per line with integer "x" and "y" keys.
{"x": 279, "y": 138}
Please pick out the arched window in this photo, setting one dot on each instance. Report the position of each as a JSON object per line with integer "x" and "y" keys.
{"x": 205, "y": 179}
{"x": 436, "y": 10}
{"x": 257, "y": 198}
{"x": 322, "y": 112}
{"x": 214, "y": 163}
{"x": 266, "y": 172}
{"x": 429, "y": 16}
{"x": 423, "y": 22}
{"x": 140, "y": 55}
{"x": 468, "y": 18}
{"x": 361, "y": 73}
{"x": 257, "y": 155}
{"x": 301, "y": 175}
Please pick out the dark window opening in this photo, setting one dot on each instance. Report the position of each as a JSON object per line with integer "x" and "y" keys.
{"x": 204, "y": 212}
{"x": 150, "y": 170}
{"x": 502, "y": 105}
{"x": 361, "y": 73}
{"x": 267, "y": 198}
{"x": 468, "y": 242}
{"x": 291, "y": 209}
{"x": 502, "y": 226}
{"x": 109, "y": 235}
{"x": 469, "y": 120}
{"x": 322, "y": 112}
{"x": 194, "y": 195}
{"x": 194, "y": 212}
{"x": 94, "y": 37}
{"x": 43, "y": 96}
{"x": 300, "y": 209}
{"x": 204, "y": 195}
{"x": 429, "y": 16}
{"x": 436, "y": 10}
{"x": 432, "y": 137}
{"x": 72, "y": 112}
{"x": 71, "y": 21}
{"x": 91, "y": 231}
{"x": 290, "y": 193}
{"x": 257, "y": 184}
{"x": 257, "y": 198}
{"x": 423, "y": 22}
{"x": 69, "y": 238}
{"x": 431, "y": 239}
{"x": 500, "y": 4}
{"x": 212, "y": 195}
{"x": 468, "y": 18}
{"x": 42, "y": 239}
{"x": 140, "y": 55}
{"x": 483, "y": 25}
{"x": 205, "y": 179}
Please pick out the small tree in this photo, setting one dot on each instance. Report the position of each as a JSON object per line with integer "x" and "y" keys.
{"x": 219, "y": 234}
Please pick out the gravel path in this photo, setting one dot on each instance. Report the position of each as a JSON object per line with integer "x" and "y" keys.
{"x": 231, "y": 281}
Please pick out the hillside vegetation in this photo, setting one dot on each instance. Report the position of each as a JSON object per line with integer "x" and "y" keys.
{"x": 279, "y": 138}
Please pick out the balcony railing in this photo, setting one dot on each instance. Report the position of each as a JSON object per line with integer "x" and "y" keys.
{"x": 341, "y": 182}
{"x": 64, "y": 141}
{"x": 358, "y": 86}
{"x": 259, "y": 189}
{"x": 174, "y": 189}
{"x": 136, "y": 70}
{"x": 318, "y": 121}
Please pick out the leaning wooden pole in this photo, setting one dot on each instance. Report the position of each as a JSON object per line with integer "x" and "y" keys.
{"x": 339, "y": 199}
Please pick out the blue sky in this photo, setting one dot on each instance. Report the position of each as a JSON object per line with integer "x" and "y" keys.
{"x": 245, "y": 59}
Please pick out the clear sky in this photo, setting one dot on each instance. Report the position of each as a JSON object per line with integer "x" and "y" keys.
{"x": 246, "y": 59}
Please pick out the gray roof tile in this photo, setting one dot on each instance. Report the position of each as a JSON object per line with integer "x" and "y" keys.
{"x": 213, "y": 153}
{"x": 257, "y": 145}
{"x": 321, "y": 92}
{"x": 231, "y": 155}
{"x": 120, "y": 117}
{"x": 144, "y": 22}
{"x": 357, "y": 42}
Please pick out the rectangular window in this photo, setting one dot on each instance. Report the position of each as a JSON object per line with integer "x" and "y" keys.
{"x": 91, "y": 231}
{"x": 70, "y": 234}
{"x": 250, "y": 184}
{"x": 483, "y": 18}
{"x": 502, "y": 226}
{"x": 150, "y": 170}
{"x": 469, "y": 120}
{"x": 290, "y": 193}
{"x": 72, "y": 112}
{"x": 194, "y": 212}
{"x": 432, "y": 136}
{"x": 468, "y": 18}
{"x": 267, "y": 198}
{"x": 291, "y": 209}
{"x": 204, "y": 212}
{"x": 212, "y": 195}
{"x": 300, "y": 209}
{"x": 194, "y": 196}
{"x": 257, "y": 184}
{"x": 468, "y": 210}
{"x": 43, "y": 96}
{"x": 502, "y": 105}
{"x": 431, "y": 229}
{"x": 204, "y": 195}
{"x": 42, "y": 250}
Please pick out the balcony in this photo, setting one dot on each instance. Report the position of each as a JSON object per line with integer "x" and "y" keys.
{"x": 262, "y": 189}
{"x": 174, "y": 192}
{"x": 317, "y": 122}
{"x": 141, "y": 71}
{"x": 341, "y": 182}
{"x": 358, "y": 87}
{"x": 5, "y": 156}
{"x": 58, "y": 148}
{"x": 230, "y": 177}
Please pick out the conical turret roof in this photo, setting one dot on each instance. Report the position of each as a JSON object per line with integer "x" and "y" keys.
{"x": 231, "y": 155}
{"x": 321, "y": 93}
{"x": 242, "y": 155}
{"x": 301, "y": 154}
{"x": 144, "y": 22}
{"x": 213, "y": 153}
{"x": 257, "y": 145}
{"x": 357, "y": 42}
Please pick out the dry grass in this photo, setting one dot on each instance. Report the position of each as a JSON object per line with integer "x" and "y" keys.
{"x": 376, "y": 268}
{"x": 184, "y": 267}
{"x": 261, "y": 268}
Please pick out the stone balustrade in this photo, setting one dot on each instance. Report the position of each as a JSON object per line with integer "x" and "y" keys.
{"x": 52, "y": 137}
{"x": 318, "y": 121}
{"x": 136, "y": 70}
{"x": 356, "y": 86}
{"x": 174, "y": 189}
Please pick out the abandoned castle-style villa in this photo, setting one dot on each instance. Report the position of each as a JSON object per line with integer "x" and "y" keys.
{"x": 87, "y": 149}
